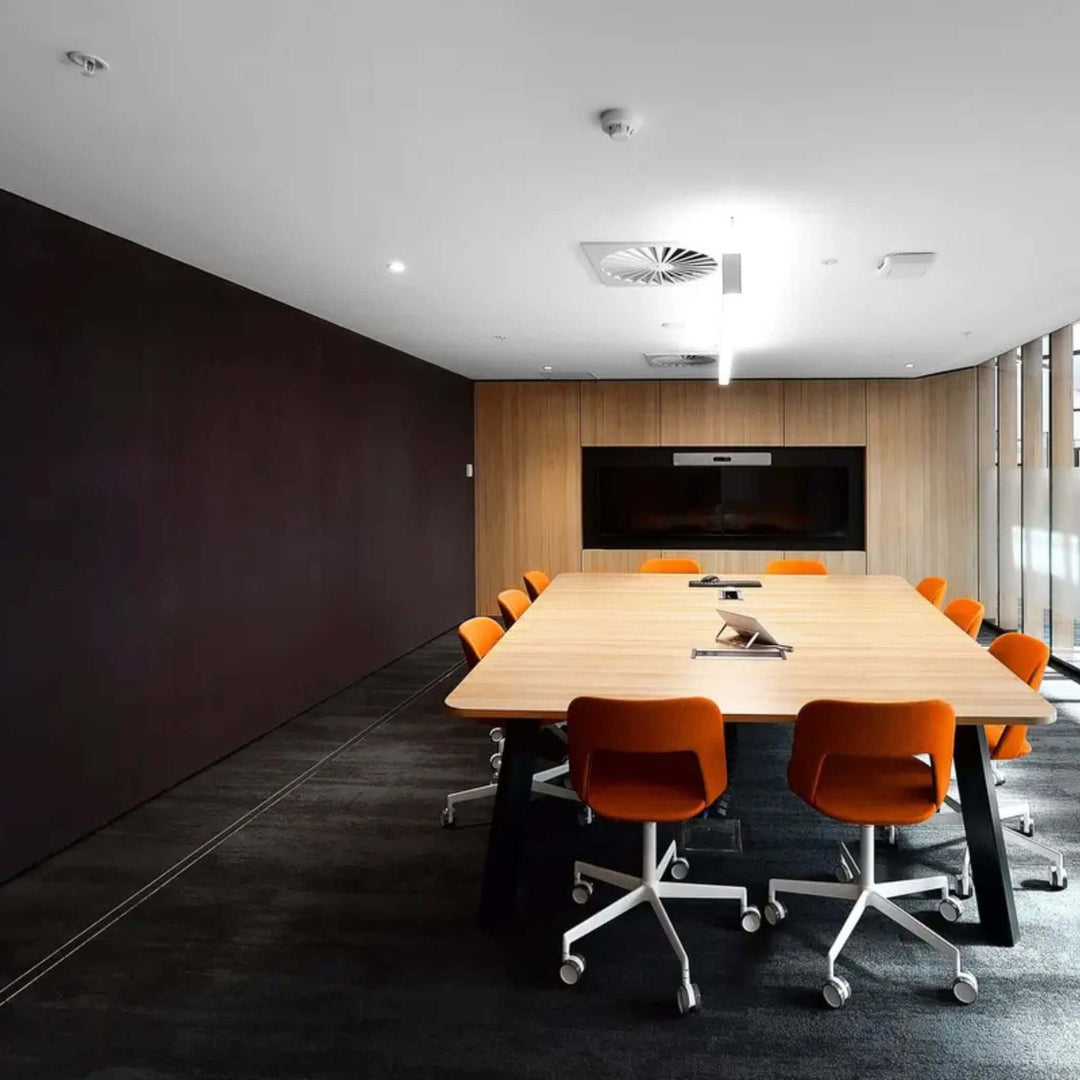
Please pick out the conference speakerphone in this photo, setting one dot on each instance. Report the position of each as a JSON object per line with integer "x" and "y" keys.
{"x": 711, "y": 581}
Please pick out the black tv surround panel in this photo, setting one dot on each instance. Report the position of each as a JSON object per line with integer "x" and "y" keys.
{"x": 753, "y": 497}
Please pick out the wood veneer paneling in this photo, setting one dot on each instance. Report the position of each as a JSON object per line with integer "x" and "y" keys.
{"x": 620, "y": 413}
{"x": 836, "y": 562}
{"x": 951, "y": 481}
{"x": 748, "y": 413}
{"x": 728, "y": 562}
{"x": 921, "y": 479}
{"x": 825, "y": 412}
{"x": 612, "y": 561}
{"x": 528, "y": 483}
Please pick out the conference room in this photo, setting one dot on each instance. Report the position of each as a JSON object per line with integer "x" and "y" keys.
{"x": 539, "y": 539}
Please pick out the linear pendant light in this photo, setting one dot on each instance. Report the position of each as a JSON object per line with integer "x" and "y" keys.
{"x": 730, "y": 305}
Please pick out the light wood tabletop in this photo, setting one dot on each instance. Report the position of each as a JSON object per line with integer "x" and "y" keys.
{"x": 857, "y": 637}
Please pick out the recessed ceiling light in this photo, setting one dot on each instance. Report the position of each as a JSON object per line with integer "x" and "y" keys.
{"x": 546, "y": 367}
{"x": 90, "y": 64}
{"x": 909, "y": 365}
{"x": 396, "y": 266}
{"x": 673, "y": 325}
{"x": 829, "y": 262}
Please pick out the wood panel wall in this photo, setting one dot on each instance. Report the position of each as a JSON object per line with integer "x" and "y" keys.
{"x": 528, "y": 483}
{"x": 922, "y": 479}
{"x": 922, "y": 467}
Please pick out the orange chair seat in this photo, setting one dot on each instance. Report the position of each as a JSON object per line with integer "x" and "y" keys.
{"x": 645, "y": 787}
{"x": 993, "y": 737}
{"x": 865, "y": 790}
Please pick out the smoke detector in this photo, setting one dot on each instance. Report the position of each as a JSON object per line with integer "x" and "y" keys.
{"x": 680, "y": 360}
{"x": 905, "y": 264}
{"x": 619, "y": 124}
{"x": 647, "y": 263}
{"x": 90, "y": 65}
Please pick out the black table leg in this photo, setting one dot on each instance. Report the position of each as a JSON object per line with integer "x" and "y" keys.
{"x": 498, "y": 892}
{"x": 989, "y": 861}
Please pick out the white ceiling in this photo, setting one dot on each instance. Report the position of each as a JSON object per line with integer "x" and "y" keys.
{"x": 297, "y": 147}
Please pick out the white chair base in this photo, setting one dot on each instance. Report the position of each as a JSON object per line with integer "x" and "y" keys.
{"x": 868, "y": 893}
{"x": 541, "y": 785}
{"x": 648, "y": 889}
{"x": 1059, "y": 877}
{"x": 1024, "y": 837}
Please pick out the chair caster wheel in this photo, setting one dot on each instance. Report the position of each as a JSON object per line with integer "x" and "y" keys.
{"x": 964, "y": 891}
{"x": 1027, "y": 826}
{"x": 680, "y": 869}
{"x": 844, "y": 874}
{"x": 1059, "y": 879}
{"x": 751, "y": 920}
{"x": 965, "y": 988}
{"x": 950, "y": 909}
{"x": 891, "y": 835}
{"x": 447, "y": 818}
{"x": 836, "y": 992}
{"x": 496, "y": 735}
{"x": 775, "y": 912}
{"x": 582, "y": 891}
{"x": 495, "y": 761}
{"x": 689, "y": 998}
{"x": 585, "y": 816}
{"x": 573, "y": 967}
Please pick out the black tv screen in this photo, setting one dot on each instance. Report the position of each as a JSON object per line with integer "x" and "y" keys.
{"x": 782, "y": 497}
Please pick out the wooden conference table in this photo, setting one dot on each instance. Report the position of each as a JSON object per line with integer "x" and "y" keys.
{"x": 855, "y": 637}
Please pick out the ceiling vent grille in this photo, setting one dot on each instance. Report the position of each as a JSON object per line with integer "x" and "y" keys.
{"x": 564, "y": 374}
{"x": 648, "y": 264}
{"x": 680, "y": 360}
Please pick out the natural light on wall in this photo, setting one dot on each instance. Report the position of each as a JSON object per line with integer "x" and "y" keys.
{"x": 1029, "y": 461}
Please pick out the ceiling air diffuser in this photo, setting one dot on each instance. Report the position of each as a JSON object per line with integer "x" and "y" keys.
{"x": 648, "y": 264}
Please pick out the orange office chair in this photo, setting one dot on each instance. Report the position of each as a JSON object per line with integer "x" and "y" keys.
{"x": 796, "y": 566}
{"x": 670, "y": 566}
{"x": 933, "y": 588}
{"x": 647, "y": 761}
{"x": 478, "y": 637}
{"x": 536, "y": 581}
{"x": 967, "y": 614}
{"x": 1026, "y": 657}
{"x": 513, "y": 603}
{"x": 856, "y": 762}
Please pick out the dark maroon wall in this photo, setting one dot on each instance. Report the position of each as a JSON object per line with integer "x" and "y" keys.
{"x": 216, "y": 511}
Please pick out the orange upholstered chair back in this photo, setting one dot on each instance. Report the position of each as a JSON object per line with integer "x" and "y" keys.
{"x": 670, "y": 566}
{"x": 536, "y": 581}
{"x": 796, "y": 566}
{"x": 933, "y": 588}
{"x": 1026, "y": 657}
{"x": 967, "y": 614}
{"x": 513, "y": 603}
{"x": 871, "y": 730}
{"x": 624, "y": 753}
{"x": 478, "y": 636}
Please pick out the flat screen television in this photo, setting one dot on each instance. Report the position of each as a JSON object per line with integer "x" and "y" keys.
{"x": 768, "y": 497}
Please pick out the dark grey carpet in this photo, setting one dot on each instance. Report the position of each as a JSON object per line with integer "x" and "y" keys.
{"x": 334, "y": 935}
